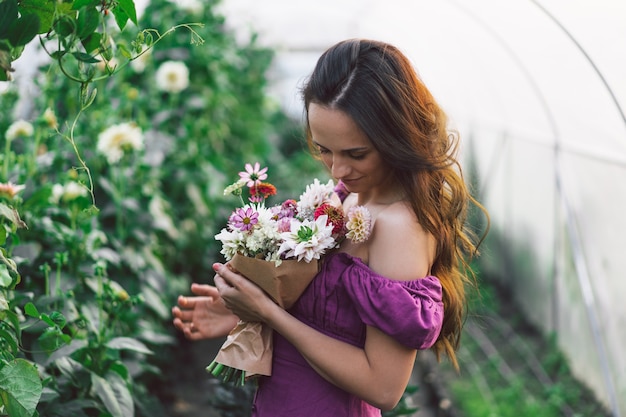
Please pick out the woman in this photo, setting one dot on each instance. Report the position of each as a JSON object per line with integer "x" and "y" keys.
{"x": 347, "y": 347}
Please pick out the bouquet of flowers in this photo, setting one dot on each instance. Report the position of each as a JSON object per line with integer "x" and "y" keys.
{"x": 278, "y": 247}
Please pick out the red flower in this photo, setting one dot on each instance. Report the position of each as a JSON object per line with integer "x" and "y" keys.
{"x": 335, "y": 216}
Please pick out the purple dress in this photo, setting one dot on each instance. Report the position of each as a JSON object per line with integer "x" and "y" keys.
{"x": 342, "y": 299}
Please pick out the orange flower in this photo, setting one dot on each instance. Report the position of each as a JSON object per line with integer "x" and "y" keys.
{"x": 262, "y": 190}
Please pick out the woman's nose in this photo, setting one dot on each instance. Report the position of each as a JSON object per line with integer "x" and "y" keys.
{"x": 340, "y": 168}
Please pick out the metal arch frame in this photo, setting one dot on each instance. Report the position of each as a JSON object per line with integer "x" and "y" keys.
{"x": 575, "y": 239}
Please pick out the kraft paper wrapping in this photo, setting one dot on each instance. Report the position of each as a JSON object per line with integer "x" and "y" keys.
{"x": 249, "y": 346}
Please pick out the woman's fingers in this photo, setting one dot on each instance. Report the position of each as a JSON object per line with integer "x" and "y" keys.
{"x": 204, "y": 290}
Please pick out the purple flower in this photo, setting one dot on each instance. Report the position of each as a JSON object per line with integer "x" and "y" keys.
{"x": 254, "y": 175}
{"x": 244, "y": 218}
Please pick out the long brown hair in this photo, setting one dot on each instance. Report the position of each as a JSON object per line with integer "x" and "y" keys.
{"x": 376, "y": 85}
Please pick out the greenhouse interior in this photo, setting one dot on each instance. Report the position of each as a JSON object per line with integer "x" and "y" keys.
{"x": 123, "y": 123}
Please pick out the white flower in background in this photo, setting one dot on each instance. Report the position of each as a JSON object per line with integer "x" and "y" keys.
{"x": 172, "y": 76}
{"x": 19, "y": 128}
{"x": 139, "y": 64}
{"x": 50, "y": 118}
{"x": 115, "y": 140}
{"x": 68, "y": 192}
{"x": 314, "y": 196}
{"x": 73, "y": 190}
{"x": 191, "y": 6}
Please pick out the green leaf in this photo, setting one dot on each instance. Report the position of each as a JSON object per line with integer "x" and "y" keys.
{"x": 82, "y": 3}
{"x": 59, "y": 319}
{"x": 46, "y": 319}
{"x": 87, "y": 21}
{"x": 122, "y": 394}
{"x": 83, "y": 57}
{"x": 24, "y": 29}
{"x": 129, "y": 8}
{"x": 46, "y": 11}
{"x": 31, "y": 310}
{"x": 4, "y": 304}
{"x": 20, "y": 388}
{"x": 92, "y": 42}
{"x": 9, "y": 338}
{"x": 12, "y": 215}
{"x": 105, "y": 392}
{"x": 64, "y": 26}
{"x": 127, "y": 343}
{"x": 120, "y": 17}
{"x": 15, "y": 321}
{"x": 51, "y": 339}
{"x": 5, "y": 277}
{"x": 8, "y": 14}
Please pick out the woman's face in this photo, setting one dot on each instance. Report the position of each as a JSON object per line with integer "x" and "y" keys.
{"x": 346, "y": 150}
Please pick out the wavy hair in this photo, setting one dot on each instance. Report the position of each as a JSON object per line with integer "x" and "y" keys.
{"x": 376, "y": 85}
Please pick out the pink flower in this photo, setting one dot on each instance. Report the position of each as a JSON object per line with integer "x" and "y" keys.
{"x": 254, "y": 175}
{"x": 10, "y": 190}
{"x": 244, "y": 218}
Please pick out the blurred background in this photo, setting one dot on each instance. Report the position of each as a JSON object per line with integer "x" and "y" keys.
{"x": 535, "y": 88}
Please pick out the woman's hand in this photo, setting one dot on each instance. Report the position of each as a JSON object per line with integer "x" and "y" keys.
{"x": 243, "y": 297}
{"x": 203, "y": 316}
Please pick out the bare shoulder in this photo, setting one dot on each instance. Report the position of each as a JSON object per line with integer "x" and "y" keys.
{"x": 399, "y": 247}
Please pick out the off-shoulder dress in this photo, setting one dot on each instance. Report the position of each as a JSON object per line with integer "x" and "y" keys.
{"x": 344, "y": 298}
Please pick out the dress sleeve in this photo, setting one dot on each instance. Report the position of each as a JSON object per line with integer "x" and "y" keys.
{"x": 409, "y": 311}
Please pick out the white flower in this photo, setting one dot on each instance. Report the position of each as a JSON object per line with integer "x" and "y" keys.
{"x": 172, "y": 76}
{"x": 314, "y": 195}
{"x": 19, "y": 128}
{"x": 50, "y": 118}
{"x": 191, "y": 6}
{"x": 73, "y": 190}
{"x": 68, "y": 192}
{"x": 141, "y": 61}
{"x": 359, "y": 224}
{"x": 307, "y": 240}
{"x": 116, "y": 139}
{"x": 233, "y": 241}
{"x": 235, "y": 188}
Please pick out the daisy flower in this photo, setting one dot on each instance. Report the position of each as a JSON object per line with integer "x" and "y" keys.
{"x": 172, "y": 76}
{"x": 244, "y": 218}
{"x": 115, "y": 140}
{"x": 253, "y": 174}
{"x": 359, "y": 224}
{"x": 307, "y": 240}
